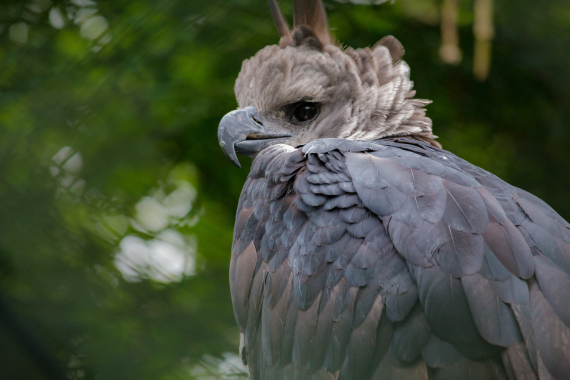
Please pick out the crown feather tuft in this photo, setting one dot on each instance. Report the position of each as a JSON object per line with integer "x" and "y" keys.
{"x": 310, "y": 26}
{"x": 312, "y": 13}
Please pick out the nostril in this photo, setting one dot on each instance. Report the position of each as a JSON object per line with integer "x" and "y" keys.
{"x": 257, "y": 121}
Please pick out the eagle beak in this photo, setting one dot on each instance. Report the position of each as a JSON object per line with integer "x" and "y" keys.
{"x": 242, "y": 132}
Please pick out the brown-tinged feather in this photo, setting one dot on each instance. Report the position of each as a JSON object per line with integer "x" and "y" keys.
{"x": 280, "y": 23}
{"x": 362, "y": 343}
{"x": 394, "y": 46}
{"x": 289, "y": 322}
{"x": 311, "y": 13}
{"x": 242, "y": 219}
{"x": 543, "y": 373}
{"x": 242, "y": 270}
{"x": 466, "y": 369}
{"x": 517, "y": 360}
{"x": 323, "y": 330}
{"x": 273, "y": 321}
{"x": 551, "y": 334}
{"x": 254, "y": 312}
{"x": 304, "y": 332}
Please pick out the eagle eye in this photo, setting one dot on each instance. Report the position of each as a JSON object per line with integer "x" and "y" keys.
{"x": 305, "y": 111}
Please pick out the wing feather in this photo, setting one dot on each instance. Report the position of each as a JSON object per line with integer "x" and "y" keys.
{"x": 361, "y": 344}
{"x": 410, "y": 335}
{"x": 323, "y": 330}
{"x": 494, "y": 319}
{"x": 439, "y": 354}
{"x": 551, "y": 334}
{"x": 555, "y": 286}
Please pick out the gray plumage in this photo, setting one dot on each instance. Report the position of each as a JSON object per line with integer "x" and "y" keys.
{"x": 348, "y": 266}
{"x": 362, "y": 250}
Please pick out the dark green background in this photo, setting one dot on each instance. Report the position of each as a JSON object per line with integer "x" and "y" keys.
{"x": 135, "y": 91}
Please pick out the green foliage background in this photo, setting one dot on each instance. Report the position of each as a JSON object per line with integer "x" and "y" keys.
{"x": 108, "y": 120}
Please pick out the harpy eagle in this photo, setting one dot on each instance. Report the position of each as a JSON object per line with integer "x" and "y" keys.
{"x": 362, "y": 250}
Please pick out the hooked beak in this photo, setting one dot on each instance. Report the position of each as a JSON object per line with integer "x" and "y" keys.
{"x": 242, "y": 132}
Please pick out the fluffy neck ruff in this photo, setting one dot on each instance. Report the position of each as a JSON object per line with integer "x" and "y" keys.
{"x": 385, "y": 96}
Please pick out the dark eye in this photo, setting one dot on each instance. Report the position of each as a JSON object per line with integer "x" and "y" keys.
{"x": 305, "y": 111}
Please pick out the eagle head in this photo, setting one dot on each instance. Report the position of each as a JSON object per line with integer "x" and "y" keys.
{"x": 307, "y": 88}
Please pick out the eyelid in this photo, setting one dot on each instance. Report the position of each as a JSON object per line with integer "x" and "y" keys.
{"x": 306, "y": 99}
{"x": 294, "y": 105}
